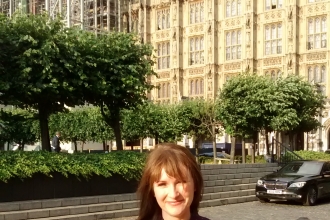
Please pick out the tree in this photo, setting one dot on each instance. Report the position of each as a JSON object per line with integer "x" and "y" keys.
{"x": 39, "y": 66}
{"x": 245, "y": 106}
{"x": 162, "y": 122}
{"x": 301, "y": 105}
{"x": 19, "y": 126}
{"x": 118, "y": 66}
{"x": 199, "y": 116}
{"x": 81, "y": 124}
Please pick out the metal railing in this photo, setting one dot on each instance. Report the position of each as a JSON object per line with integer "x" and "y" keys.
{"x": 283, "y": 155}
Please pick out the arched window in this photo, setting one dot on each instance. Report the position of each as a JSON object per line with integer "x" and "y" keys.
{"x": 317, "y": 75}
{"x": 273, "y": 76}
{"x": 310, "y": 74}
{"x": 164, "y": 91}
{"x": 317, "y": 33}
{"x": 197, "y": 86}
{"x": 202, "y": 86}
{"x": 168, "y": 90}
{"x": 191, "y": 87}
{"x": 323, "y": 74}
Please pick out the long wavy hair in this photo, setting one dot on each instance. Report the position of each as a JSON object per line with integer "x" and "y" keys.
{"x": 176, "y": 161}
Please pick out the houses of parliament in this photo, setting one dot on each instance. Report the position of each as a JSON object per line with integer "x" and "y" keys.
{"x": 200, "y": 44}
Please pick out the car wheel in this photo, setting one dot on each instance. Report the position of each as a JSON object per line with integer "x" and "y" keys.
{"x": 263, "y": 200}
{"x": 311, "y": 197}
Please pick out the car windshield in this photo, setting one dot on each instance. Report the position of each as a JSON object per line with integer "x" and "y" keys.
{"x": 302, "y": 168}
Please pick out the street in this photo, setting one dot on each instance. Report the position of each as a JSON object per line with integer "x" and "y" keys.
{"x": 278, "y": 210}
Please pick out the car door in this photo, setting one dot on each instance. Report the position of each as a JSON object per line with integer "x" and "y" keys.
{"x": 326, "y": 179}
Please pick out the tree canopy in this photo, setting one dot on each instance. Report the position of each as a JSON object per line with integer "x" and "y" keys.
{"x": 37, "y": 68}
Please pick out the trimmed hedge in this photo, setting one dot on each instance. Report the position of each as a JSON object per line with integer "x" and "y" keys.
{"x": 312, "y": 155}
{"x": 23, "y": 164}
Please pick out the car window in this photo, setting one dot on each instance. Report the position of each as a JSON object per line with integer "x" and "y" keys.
{"x": 326, "y": 167}
{"x": 303, "y": 168}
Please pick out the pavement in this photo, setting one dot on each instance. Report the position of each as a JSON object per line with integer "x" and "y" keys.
{"x": 275, "y": 210}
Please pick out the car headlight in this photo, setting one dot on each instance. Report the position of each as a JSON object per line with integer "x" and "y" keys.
{"x": 297, "y": 185}
{"x": 260, "y": 182}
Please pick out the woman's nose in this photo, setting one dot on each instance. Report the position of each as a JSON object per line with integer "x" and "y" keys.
{"x": 173, "y": 191}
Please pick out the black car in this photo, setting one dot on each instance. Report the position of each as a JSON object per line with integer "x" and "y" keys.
{"x": 303, "y": 181}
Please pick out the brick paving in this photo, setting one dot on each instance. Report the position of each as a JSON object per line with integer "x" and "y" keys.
{"x": 279, "y": 210}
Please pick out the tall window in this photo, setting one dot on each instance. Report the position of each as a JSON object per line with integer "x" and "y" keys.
{"x": 196, "y": 50}
{"x": 317, "y": 33}
{"x": 164, "y": 90}
{"x": 196, "y": 12}
{"x": 233, "y": 45}
{"x": 163, "y": 19}
{"x": 233, "y": 8}
{"x": 273, "y": 4}
{"x": 317, "y": 73}
{"x": 196, "y": 87}
{"x": 273, "y": 74}
{"x": 163, "y": 55}
{"x": 273, "y": 39}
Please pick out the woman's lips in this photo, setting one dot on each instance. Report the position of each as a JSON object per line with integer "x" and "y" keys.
{"x": 174, "y": 203}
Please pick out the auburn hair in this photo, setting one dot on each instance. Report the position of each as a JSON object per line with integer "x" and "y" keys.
{"x": 176, "y": 160}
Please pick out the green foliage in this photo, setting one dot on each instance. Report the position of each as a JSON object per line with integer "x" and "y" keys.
{"x": 245, "y": 104}
{"x": 199, "y": 117}
{"x": 24, "y": 164}
{"x": 117, "y": 68}
{"x": 19, "y": 126}
{"x": 312, "y": 155}
{"x": 81, "y": 124}
{"x": 39, "y": 66}
{"x": 249, "y": 103}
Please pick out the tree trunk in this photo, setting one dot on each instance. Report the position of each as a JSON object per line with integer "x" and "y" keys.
{"x": 156, "y": 140}
{"x": 214, "y": 142}
{"x": 117, "y": 132}
{"x": 43, "y": 120}
{"x": 243, "y": 150}
{"x": 267, "y": 142}
{"x": 141, "y": 145}
{"x": 75, "y": 146}
{"x": 232, "y": 149}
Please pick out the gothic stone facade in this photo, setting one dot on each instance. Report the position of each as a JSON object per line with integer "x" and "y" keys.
{"x": 202, "y": 43}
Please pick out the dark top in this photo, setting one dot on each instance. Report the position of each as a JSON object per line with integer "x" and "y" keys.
{"x": 56, "y": 142}
{"x": 198, "y": 217}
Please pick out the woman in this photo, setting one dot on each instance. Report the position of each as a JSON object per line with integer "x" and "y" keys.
{"x": 171, "y": 185}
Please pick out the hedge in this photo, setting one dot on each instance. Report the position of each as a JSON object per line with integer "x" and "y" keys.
{"x": 23, "y": 164}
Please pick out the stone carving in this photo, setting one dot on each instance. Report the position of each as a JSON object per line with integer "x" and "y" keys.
{"x": 248, "y": 5}
{"x": 232, "y": 22}
{"x": 161, "y": 5}
{"x": 316, "y": 56}
{"x": 196, "y": 71}
{"x": 248, "y": 22}
{"x": 290, "y": 13}
{"x": 272, "y": 61}
{"x": 290, "y": 30}
{"x": 316, "y": 8}
{"x": 196, "y": 28}
{"x": 290, "y": 62}
{"x": 232, "y": 66}
{"x": 174, "y": 13}
{"x": 248, "y": 38}
{"x": 162, "y": 34}
{"x": 163, "y": 75}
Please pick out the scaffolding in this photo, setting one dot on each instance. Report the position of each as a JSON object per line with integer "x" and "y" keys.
{"x": 93, "y": 15}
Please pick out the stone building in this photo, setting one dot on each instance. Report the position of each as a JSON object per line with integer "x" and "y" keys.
{"x": 202, "y": 43}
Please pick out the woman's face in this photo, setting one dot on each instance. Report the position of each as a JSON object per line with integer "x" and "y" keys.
{"x": 174, "y": 197}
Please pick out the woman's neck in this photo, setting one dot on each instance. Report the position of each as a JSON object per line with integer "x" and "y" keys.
{"x": 166, "y": 216}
